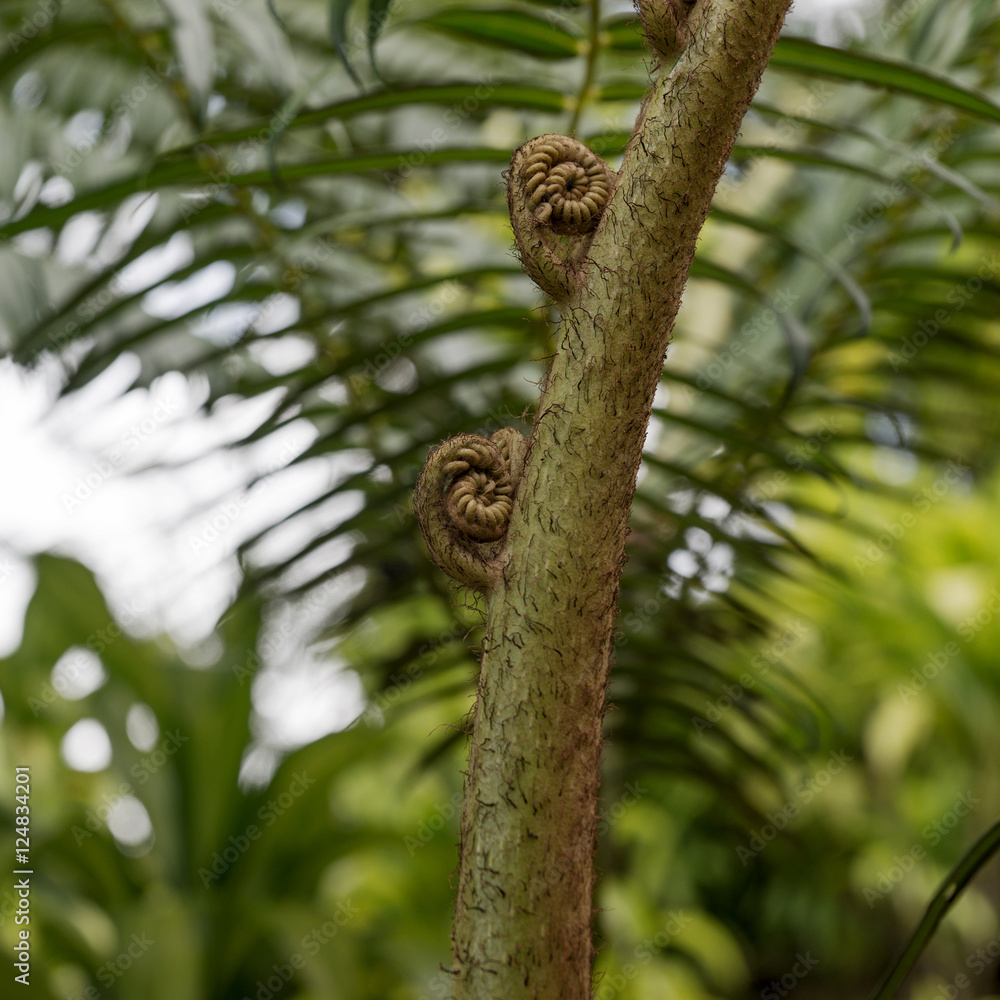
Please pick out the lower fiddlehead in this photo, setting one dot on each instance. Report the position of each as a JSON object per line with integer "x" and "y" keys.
{"x": 464, "y": 500}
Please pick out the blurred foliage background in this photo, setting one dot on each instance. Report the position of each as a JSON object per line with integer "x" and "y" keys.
{"x": 301, "y": 204}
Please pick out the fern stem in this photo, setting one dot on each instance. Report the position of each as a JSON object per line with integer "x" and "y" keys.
{"x": 977, "y": 856}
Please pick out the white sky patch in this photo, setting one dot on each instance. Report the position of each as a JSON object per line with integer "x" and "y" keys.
{"x": 86, "y": 746}
{"x": 29, "y": 91}
{"x": 130, "y": 824}
{"x": 683, "y": 563}
{"x": 258, "y": 766}
{"x": 398, "y": 376}
{"x": 218, "y": 531}
{"x": 89, "y": 487}
{"x": 77, "y": 673}
{"x": 156, "y": 264}
{"x": 713, "y": 508}
{"x": 36, "y": 243}
{"x": 56, "y": 191}
{"x": 84, "y": 128}
{"x": 28, "y": 187}
{"x": 292, "y": 535}
{"x": 279, "y": 357}
{"x": 78, "y": 238}
{"x": 277, "y": 312}
{"x": 334, "y": 390}
{"x": 226, "y": 323}
{"x": 832, "y": 22}
{"x": 719, "y": 562}
{"x": 289, "y": 214}
{"x": 17, "y": 584}
{"x": 79, "y": 491}
{"x": 301, "y": 703}
{"x": 118, "y": 138}
{"x": 654, "y": 432}
{"x": 331, "y": 553}
{"x": 454, "y": 352}
{"x": 132, "y": 217}
{"x": 174, "y": 299}
{"x": 698, "y": 540}
{"x": 141, "y": 727}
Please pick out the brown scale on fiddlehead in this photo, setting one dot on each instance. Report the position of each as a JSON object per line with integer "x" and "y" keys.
{"x": 566, "y": 184}
{"x": 480, "y": 496}
{"x": 464, "y": 500}
{"x": 557, "y": 190}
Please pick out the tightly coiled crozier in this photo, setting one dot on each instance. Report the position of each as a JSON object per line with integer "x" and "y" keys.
{"x": 464, "y": 500}
{"x": 566, "y": 184}
{"x": 557, "y": 191}
{"x": 480, "y": 498}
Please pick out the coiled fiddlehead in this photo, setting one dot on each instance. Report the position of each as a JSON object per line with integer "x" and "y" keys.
{"x": 566, "y": 184}
{"x": 464, "y": 500}
{"x": 557, "y": 190}
{"x": 479, "y": 500}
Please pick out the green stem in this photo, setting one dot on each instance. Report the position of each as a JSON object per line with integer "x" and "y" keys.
{"x": 524, "y": 908}
{"x": 977, "y": 856}
{"x": 593, "y": 37}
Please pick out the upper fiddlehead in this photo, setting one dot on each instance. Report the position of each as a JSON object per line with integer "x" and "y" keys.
{"x": 557, "y": 190}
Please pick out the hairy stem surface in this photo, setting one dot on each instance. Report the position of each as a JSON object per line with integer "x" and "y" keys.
{"x": 524, "y": 909}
